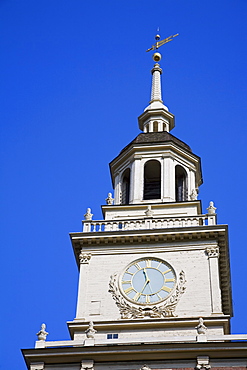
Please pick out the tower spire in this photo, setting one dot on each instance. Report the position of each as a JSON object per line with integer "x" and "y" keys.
{"x": 156, "y": 94}
{"x": 156, "y": 84}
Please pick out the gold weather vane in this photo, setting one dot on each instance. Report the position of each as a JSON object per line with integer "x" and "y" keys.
{"x": 158, "y": 44}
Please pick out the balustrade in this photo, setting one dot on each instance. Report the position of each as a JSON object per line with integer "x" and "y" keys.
{"x": 148, "y": 223}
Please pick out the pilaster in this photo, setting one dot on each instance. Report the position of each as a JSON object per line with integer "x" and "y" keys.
{"x": 83, "y": 284}
{"x": 213, "y": 257}
{"x": 117, "y": 189}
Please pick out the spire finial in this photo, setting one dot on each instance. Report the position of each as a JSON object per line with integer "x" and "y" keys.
{"x": 157, "y": 37}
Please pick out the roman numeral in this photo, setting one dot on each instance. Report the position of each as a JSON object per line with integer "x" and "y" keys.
{"x": 166, "y": 272}
{"x": 166, "y": 289}
{"x": 148, "y": 263}
{"x": 128, "y": 290}
{"x": 147, "y": 299}
{"x": 137, "y": 266}
{"x": 168, "y": 280}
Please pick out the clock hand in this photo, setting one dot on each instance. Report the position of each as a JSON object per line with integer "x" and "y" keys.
{"x": 145, "y": 284}
{"x": 145, "y": 273}
{"x": 147, "y": 278}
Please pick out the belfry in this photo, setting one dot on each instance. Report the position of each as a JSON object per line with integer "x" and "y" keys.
{"x": 154, "y": 286}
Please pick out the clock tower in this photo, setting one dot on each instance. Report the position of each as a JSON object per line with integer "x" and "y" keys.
{"x": 154, "y": 285}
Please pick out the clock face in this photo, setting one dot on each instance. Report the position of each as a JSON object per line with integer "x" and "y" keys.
{"x": 147, "y": 281}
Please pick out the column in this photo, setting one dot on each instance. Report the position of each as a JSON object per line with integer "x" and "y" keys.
{"x": 160, "y": 126}
{"x": 117, "y": 189}
{"x": 213, "y": 261}
{"x": 136, "y": 180}
{"x": 168, "y": 180}
{"x": 191, "y": 185}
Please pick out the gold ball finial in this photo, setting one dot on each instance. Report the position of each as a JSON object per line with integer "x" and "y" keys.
{"x": 157, "y": 57}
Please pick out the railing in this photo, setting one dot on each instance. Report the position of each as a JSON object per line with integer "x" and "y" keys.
{"x": 148, "y": 223}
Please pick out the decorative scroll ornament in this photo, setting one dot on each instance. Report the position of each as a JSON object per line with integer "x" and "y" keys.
{"x": 145, "y": 367}
{"x": 203, "y": 363}
{"x": 149, "y": 212}
{"x": 129, "y": 311}
{"x": 213, "y": 251}
{"x": 201, "y": 328}
{"x": 37, "y": 366}
{"x": 87, "y": 365}
{"x": 84, "y": 257}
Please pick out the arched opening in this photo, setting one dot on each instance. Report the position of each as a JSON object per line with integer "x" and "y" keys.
{"x": 181, "y": 184}
{"x": 155, "y": 126}
{"x": 126, "y": 187}
{"x": 152, "y": 180}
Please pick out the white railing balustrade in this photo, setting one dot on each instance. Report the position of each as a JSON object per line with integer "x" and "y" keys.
{"x": 148, "y": 223}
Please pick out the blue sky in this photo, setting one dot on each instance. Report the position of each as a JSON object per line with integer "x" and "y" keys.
{"x": 74, "y": 78}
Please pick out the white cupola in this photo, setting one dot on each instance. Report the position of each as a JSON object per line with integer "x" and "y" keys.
{"x": 155, "y": 167}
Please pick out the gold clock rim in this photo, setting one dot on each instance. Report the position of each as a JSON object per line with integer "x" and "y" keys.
{"x": 151, "y": 303}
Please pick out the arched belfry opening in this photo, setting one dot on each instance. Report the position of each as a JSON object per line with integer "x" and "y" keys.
{"x": 181, "y": 187}
{"x": 155, "y": 126}
{"x": 152, "y": 180}
{"x": 126, "y": 187}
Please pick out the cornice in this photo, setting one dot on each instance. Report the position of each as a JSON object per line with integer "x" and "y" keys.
{"x": 145, "y": 147}
{"x": 137, "y": 352}
{"x": 213, "y": 232}
{"x": 164, "y": 323}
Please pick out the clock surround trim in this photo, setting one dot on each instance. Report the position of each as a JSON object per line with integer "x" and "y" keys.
{"x": 132, "y": 311}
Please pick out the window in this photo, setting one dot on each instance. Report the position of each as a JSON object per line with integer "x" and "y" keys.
{"x": 181, "y": 184}
{"x": 112, "y": 336}
{"x": 152, "y": 180}
{"x": 126, "y": 186}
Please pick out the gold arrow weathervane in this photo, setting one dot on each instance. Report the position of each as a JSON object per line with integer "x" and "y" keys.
{"x": 158, "y": 44}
